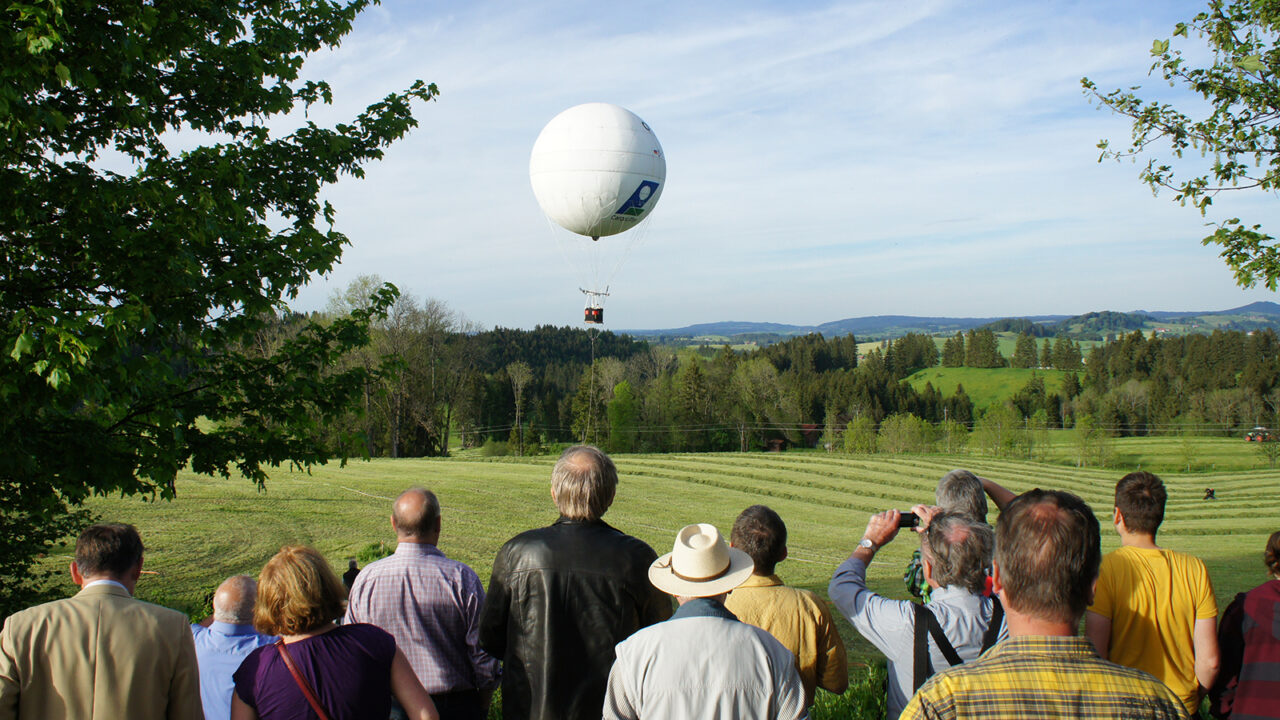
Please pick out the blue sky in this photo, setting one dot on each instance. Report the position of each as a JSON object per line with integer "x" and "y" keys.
{"x": 824, "y": 160}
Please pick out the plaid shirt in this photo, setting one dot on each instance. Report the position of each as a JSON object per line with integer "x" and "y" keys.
{"x": 431, "y": 604}
{"x": 1044, "y": 677}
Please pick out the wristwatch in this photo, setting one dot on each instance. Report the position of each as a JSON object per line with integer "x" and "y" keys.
{"x": 866, "y": 543}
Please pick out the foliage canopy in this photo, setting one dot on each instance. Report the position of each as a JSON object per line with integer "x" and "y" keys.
{"x": 1239, "y": 130}
{"x": 135, "y": 276}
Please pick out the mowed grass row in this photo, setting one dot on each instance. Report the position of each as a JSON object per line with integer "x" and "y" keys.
{"x": 219, "y": 527}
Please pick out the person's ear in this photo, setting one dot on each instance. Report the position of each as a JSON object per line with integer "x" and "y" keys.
{"x": 1093, "y": 588}
{"x": 76, "y": 577}
{"x": 784, "y": 554}
{"x": 997, "y": 587}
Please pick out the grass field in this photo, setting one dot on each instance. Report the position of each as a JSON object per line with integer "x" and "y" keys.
{"x": 217, "y": 527}
{"x": 984, "y": 386}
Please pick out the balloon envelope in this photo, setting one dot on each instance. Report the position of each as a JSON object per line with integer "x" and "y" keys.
{"x": 597, "y": 169}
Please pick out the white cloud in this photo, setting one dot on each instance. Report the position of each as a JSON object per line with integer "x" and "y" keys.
{"x": 824, "y": 161}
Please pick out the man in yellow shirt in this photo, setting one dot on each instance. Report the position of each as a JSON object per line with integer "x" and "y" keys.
{"x": 799, "y": 619}
{"x": 1154, "y": 609}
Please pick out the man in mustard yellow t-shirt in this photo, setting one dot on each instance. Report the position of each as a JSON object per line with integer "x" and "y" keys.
{"x": 1154, "y": 608}
{"x": 795, "y": 617}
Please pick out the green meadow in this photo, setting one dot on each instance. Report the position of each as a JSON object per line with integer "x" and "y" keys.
{"x": 984, "y": 386}
{"x": 219, "y": 527}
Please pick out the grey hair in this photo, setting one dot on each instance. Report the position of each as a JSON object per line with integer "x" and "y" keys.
{"x": 960, "y": 491}
{"x": 584, "y": 482}
{"x": 959, "y": 548}
{"x": 234, "y": 599}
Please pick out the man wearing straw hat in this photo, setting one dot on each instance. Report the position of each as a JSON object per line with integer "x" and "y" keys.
{"x": 703, "y": 662}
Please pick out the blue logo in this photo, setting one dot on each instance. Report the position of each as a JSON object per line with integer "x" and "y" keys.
{"x": 634, "y": 206}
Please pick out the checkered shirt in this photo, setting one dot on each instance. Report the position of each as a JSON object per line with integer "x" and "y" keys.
{"x": 431, "y": 604}
{"x": 1044, "y": 677}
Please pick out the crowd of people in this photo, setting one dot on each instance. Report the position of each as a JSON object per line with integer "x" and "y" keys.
{"x": 582, "y": 621}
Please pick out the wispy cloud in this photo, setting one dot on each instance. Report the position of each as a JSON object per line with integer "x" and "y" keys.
{"x": 825, "y": 160}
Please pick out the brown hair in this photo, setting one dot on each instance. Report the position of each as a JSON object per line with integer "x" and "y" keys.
{"x": 1271, "y": 556}
{"x": 1048, "y": 551}
{"x": 959, "y": 548}
{"x": 297, "y": 593}
{"x": 108, "y": 549}
{"x": 584, "y": 481}
{"x": 1140, "y": 498}
{"x": 760, "y": 533}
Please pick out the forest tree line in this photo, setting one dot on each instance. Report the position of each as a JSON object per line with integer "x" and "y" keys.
{"x": 440, "y": 380}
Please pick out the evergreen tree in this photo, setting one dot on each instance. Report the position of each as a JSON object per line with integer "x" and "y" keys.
{"x": 953, "y": 351}
{"x": 1024, "y": 353}
{"x": 1066, "y": 354}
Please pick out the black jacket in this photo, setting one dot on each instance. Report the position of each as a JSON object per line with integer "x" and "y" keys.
{"x": 559, "y": 599}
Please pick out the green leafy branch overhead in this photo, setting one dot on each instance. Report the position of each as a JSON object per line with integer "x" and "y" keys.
{"x": 135, "y": 278}
{"x": 1239, "y": 134}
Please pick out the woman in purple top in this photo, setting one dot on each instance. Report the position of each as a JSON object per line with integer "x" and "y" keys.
{"x": 351, "y": 669}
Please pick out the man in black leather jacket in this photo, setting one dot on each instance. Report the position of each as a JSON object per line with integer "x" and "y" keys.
{"x": 561, "y": 597}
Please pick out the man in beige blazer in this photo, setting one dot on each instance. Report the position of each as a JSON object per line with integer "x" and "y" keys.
{"x": 100, "y": 655}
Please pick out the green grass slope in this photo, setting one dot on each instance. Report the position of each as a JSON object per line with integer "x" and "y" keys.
{"x": 983, "y": 385}
{"x": 217, "y": 528}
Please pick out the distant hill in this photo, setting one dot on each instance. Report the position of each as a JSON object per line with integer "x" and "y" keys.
{"x": 1089, "y": 326}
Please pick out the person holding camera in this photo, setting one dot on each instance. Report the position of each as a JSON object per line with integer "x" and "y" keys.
{"x": 960, "y": 621}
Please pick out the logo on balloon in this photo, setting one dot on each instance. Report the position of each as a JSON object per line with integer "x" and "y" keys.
{"x": 634, "y": 206}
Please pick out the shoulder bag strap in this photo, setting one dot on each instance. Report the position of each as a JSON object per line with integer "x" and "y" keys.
{"x": 302, "y": 682}
{"x": 992, "y": 634}
{"x": 921, "y": 669}
{"x": 939, "y": 639}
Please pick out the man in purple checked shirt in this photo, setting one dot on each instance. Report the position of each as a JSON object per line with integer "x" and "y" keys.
{"x": 431, "y": 604}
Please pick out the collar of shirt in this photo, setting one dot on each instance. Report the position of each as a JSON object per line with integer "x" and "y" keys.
{"x": 952, "y": 594}
{"x": 104, "y": 581}
{"x": 226, "y": 628}
{"x": 1072, "y": 645}
{"x": 762, "y": 581}
{"x": 703, "y": 607}
{"x": 562, "y": 520}
{"x": 411, "y": 548}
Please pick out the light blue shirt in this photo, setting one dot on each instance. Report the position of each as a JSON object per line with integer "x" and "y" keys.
{"x": 220, "y": 648}
{"x": 890, "y": 626}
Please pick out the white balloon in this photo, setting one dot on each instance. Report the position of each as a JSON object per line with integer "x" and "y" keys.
{"x": 597, "y": 169}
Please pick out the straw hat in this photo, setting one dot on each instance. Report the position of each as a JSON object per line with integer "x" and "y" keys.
{"x": 700, "y": 565}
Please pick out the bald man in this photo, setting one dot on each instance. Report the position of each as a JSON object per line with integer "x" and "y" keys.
{"x": 431, "y": 604}
{"x": 225, "y": 642}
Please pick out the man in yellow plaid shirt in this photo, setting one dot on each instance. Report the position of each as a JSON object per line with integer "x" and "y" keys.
{"x": 1048, "y": 552}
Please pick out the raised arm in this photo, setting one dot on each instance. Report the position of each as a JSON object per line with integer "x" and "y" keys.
{"x": 998, "y": 494}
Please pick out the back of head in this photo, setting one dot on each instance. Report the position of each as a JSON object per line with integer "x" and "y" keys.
{"x": 297, "y": 593}
{"x": 233, "y": 600}
{"x": 960, "y": 491}
{"x": 1271, "y": 556}
{"x": 108, "y": 549}
{"x": 959, "y": 549}
{"x": 584, "y": 482}
{"x": 1048, "y": 552}
{"x": 416, "y": 513}
{"x": 1140, "y": 498}
{"x": 760, "y": 533}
